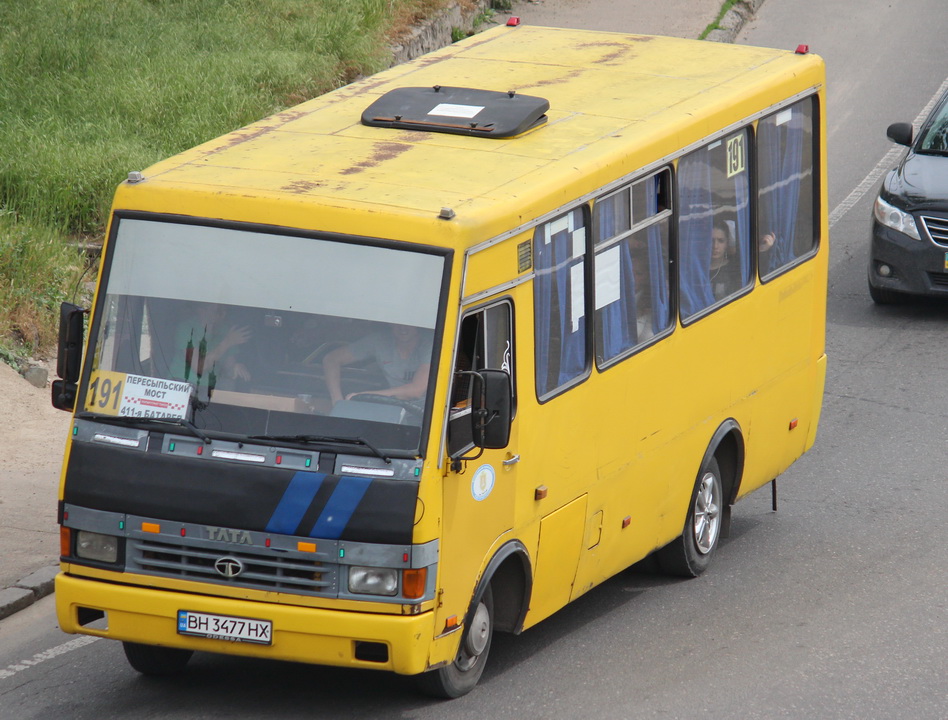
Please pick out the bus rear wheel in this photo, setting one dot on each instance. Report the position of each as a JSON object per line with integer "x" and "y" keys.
{"x": 690, "y": 554}
{"x": 460, "y": 677}
{"x": 154, "y": 660}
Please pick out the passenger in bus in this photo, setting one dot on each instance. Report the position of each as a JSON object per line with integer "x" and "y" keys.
{"x": 205, "y": 344}
{"x": 723, "y": 274}
{"x": 403, "y": 353}
{"x": 764, "y": 246}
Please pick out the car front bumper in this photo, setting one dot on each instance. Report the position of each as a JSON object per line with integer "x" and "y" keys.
{"x": 918, "y": 267}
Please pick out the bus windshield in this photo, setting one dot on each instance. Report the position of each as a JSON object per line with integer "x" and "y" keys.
{"x": 254, "y": 333}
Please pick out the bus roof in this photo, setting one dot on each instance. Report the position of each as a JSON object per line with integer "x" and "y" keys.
{"x": 617, "y": 102}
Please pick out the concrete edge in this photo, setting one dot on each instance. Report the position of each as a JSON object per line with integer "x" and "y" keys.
{"x": 27, "y": 591}
{"x": 437, "y": 32}
{"x": 730, "y": 26}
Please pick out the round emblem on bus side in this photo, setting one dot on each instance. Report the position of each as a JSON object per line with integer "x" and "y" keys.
{"x": 229, "y": 567}
{"x": 482, "y": 483}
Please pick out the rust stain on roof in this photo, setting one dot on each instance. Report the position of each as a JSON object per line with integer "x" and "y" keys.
{"x": 381, "y": 152}
{"x": 275, "y": 122}
{"x": 621, "y": 52}
{"x": 300, "y": 187}
{"x": 571, "y": 75}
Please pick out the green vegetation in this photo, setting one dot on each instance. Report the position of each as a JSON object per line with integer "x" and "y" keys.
{"x": 728, "y": 4}
{"x": 95, "y": 88}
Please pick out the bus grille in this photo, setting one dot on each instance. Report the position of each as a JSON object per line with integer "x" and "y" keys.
{"x": 937, "y": 228}
{"x": 259, "y": 571}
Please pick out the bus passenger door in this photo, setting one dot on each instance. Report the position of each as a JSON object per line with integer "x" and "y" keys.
{"x": 479, "y": 484}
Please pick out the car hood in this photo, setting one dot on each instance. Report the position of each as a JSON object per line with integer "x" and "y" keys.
{"x": 920, "y": 181}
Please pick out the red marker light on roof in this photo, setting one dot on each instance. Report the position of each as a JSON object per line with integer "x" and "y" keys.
{"x": 513, "y": 21}
{"x": 802, "y": 49}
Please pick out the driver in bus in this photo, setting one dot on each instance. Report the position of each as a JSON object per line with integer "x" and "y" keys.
{"x": 403, "y": 352}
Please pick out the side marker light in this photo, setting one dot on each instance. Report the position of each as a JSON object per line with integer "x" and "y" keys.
{"x": 513, "y": 21}
{"x": 802, "y": 49}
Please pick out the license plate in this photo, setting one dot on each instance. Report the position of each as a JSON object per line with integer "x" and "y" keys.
{"x": 225, "y": 627}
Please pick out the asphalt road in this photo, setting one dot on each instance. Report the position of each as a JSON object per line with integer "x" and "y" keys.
{"x": 833, "y": 607}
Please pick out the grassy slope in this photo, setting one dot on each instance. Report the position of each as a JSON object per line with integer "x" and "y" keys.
{"x": 95, "y": 88}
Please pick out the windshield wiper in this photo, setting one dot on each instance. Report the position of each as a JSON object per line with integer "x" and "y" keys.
{"x": 183, "y": 423}
{"x": 325, "y": 440}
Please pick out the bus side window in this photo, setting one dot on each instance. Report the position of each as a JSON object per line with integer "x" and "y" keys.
{"x": 484, "y": 342}
{"x": 559, "y": 297}
{"x": 786, "y": 186}
{"x": 631, "y": 290}
{"x": 714, "y": 223}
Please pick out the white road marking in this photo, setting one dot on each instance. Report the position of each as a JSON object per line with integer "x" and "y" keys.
{"x": 11, "y": 670}
{"x": 884, "y": 164}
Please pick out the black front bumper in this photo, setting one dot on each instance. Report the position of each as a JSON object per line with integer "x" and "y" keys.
{"x": 919, "y": 267}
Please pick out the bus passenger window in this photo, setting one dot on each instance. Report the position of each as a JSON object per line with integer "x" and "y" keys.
{"x": 632, "y": 290}
{"x": 787, "y": 189}
{"x": 714, "y": 223}
{"x": 559, "y": 298}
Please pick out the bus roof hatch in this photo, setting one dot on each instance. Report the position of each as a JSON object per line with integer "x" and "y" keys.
{"x": 461, "y": 111}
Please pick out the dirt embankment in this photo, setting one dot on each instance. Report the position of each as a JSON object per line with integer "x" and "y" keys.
{"x": 32, "y": 439}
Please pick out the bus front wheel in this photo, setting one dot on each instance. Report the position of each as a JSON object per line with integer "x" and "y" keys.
{"x": 154, "y": 660}
{"x": 460, "y": 677}
{"x": 690, "y": 554}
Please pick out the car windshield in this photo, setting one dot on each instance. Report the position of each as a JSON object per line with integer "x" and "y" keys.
{"x": 254, "y": 333}
{"x": 934, "y": 137}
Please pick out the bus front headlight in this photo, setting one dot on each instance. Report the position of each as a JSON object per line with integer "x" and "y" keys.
{"x": 373, "y": 581}
{"x": 95, "y": 546}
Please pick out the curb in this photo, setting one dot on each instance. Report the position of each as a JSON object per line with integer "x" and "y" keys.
{"x": 27, "y": 591}
{"x": 734, "y": 20}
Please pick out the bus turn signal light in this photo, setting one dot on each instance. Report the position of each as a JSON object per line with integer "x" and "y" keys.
{"x": 413, "y": 583}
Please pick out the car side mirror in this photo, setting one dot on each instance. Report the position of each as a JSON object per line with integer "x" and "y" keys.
{"x": 69, "y": 358}
{"x": 901, "y": 133}
{"x": 492, "y": 403}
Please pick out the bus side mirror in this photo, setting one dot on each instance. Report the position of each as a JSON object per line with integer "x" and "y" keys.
{"x": 69, "y": 359}
{"x": 492, "y": 404}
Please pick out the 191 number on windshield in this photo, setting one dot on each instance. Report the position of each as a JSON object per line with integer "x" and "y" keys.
{"x": 105, "y": 393}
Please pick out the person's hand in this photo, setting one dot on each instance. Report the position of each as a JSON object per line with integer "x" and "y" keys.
{"x": 240, "y": 372}
{"x": 766, "y": 242}
{"x": 235, "y": 336}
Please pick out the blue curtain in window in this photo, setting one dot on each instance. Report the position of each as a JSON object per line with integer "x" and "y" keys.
{"x": 552, "y": 299}
{"x": 617, "y": 319}
{"x": 657, "y": 267}
{"x": 742, "y": 223}
{"x": 784, "y": 149}
{"x": 694, "y": 232}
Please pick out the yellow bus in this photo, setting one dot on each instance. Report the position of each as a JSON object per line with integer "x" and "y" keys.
{"x": 432, "y": 355}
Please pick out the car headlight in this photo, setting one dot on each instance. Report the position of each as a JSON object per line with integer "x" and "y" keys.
{"x": 95, "y": 546}
{"x": 892, "y": 217}
{"x": 373, "y": 581}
